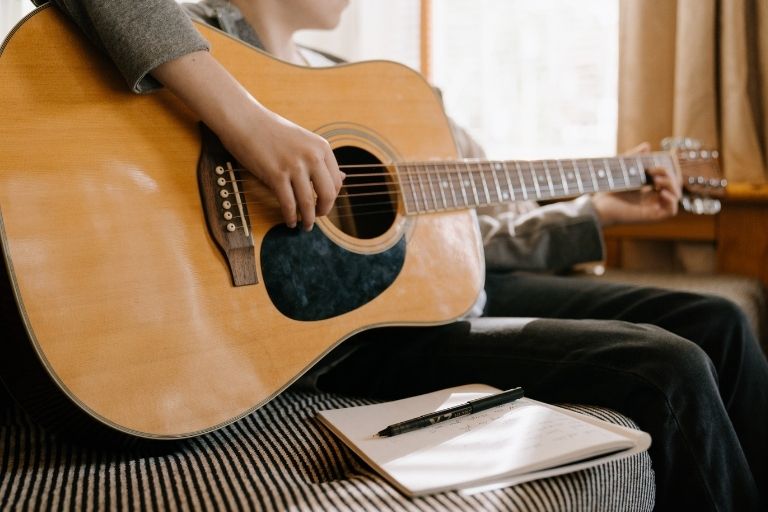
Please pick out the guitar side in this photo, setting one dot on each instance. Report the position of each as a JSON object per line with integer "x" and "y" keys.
{"x": 125, "y": 304}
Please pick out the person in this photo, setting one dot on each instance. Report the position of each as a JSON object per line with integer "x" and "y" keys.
{"x": 686, "y": 368}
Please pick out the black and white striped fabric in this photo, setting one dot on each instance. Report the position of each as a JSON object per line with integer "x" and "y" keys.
{"x": 279, "y": 458}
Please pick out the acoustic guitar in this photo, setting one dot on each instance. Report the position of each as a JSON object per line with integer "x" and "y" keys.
{"x": 150, "y": 288}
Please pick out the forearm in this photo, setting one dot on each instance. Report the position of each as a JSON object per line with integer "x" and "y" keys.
{"x": 209, "y": 90}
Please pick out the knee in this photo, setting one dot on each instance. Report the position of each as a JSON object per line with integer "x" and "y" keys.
{"x": 671, "y": 361}
{"x": 716, "y": 311}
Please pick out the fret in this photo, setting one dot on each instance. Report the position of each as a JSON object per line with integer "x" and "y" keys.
{"x": 616, "y": 174}
{"x": 472, "y": 182}
{"x": 423, "y": 193}
{"x": 489, "y": 176}
{"x": 493, "y": 192}
{"x": 566, "y": 189}
{"x": 577, "y": 173}
{"x": 484, "y": 181}
{"x": 522, "y": 181}
{"x": 414, "y": 185}
{"x": 463, "y": 184}
{"x": 640, "y": 169}
{"x": 549, "y": 179}
{"x": 608, "y": 172}
{"x": 510, "y": 188}
{"x": 535, "y": 180}
{"x": 400, "y": 188}
{"x": 441, "y": 186}
{"x": 431, "y": 188}
{"x": 585, "y": 175}
{"x": 477, "y": 175}
{"x": 453, "y": 190}
{"x": 500, "y": 196}
{"x": 592, "y": 172}
{"x": 624, "y": 172}
{"x": 574, "y": 178}
{"x": 412, "y": 189}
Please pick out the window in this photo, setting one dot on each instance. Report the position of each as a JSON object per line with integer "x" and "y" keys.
{"x": 372, "y": 29}
{"x": 11, "y": 11}
{"x": 529, "y": 79}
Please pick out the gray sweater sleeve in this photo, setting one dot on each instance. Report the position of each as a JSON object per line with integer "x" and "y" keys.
{"x": 138, "y": 35}
{"x": 548, "y": 238}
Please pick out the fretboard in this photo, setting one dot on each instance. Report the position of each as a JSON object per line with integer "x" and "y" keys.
{"x": 442, "y": 185}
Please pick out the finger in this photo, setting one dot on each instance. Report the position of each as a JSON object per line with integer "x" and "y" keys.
{"x": 325, "y": 189}
{"x": 660, "y": 173}
{"x": 284, "y": 193}
{"x": 643, "y": 147}
{"x": 656, "y": 171}
{"x": 669, "y": 201}
{"x": 661, "y": 181}
{"x": 305, "y": 200}
{"x": 665, "y": 183}
{"x": 333, "y": 169}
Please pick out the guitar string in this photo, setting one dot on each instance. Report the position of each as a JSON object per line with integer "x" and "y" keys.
{"x": 263, "y": 207}
{"x": 490, "y": 166}
{"x": 471, "y": 168}
{"x": 392, "y": 187}
{"x": 412, "y": 168}
{"x": 559, "y": 190}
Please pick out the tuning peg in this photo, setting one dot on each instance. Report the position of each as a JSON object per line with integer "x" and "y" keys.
{"x": 718, "y": 183}
{"x": 701, "y": 205}
{"x": 687, "y": 143}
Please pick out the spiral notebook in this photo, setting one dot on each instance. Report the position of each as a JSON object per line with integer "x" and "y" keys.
{"x": 506, "y": 445}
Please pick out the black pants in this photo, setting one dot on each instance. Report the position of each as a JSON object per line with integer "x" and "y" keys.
{"x": 685, "y": 367}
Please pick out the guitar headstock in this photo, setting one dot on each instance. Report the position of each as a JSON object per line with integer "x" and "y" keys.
{"x": 702, "y": 181}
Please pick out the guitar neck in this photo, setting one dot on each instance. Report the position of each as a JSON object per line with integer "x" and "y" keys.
{"x": 453, "y": 185}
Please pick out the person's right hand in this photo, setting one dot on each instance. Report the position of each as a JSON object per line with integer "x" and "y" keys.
{"x": 296, "y": 164}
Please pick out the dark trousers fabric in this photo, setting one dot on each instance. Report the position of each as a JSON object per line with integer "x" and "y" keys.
{"x": 686, "y": 368}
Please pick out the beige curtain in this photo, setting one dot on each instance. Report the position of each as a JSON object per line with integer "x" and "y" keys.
{"x": 697, "y": 68}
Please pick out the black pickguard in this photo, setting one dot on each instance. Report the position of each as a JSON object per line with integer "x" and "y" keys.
{"x": 309, "y": 277}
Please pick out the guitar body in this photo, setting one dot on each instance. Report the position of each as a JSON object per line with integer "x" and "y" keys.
{"x": 120, "y": 308}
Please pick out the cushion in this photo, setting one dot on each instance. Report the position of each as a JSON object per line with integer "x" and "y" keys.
{"x": 277, "y": 458}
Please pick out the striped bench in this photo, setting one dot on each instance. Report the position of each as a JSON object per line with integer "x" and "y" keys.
{"x": 278, "y": 458}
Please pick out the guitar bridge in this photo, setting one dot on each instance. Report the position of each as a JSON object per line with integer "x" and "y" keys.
{"x": 226, "y": 212}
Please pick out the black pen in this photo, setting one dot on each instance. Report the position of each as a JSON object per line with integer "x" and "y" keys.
{"x": 470, "y": 407}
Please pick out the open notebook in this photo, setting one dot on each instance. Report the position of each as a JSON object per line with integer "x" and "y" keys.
{"x": 509, "y": 444}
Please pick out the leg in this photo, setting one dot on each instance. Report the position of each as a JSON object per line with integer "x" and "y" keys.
{"x": 665, "y": 383}
{"x": 716, "y": 325}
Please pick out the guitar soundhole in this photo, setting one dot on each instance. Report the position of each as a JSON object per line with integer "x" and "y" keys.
{"x": 367, "y": 203}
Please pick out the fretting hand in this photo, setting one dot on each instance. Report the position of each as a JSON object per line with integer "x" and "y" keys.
{"x": 656, "y": 201}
